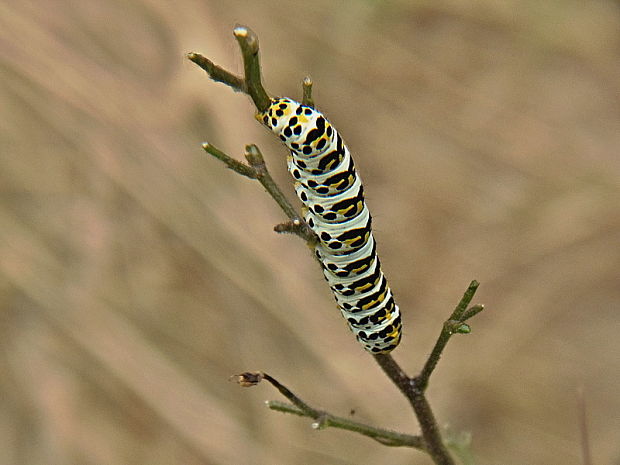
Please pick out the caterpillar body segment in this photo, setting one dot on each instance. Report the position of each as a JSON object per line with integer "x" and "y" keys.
{"x": 333, "y": 196}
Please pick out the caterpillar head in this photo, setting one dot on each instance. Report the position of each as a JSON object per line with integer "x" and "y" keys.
{"x": 278, "y": 113}
{"x": 302, "y": 128}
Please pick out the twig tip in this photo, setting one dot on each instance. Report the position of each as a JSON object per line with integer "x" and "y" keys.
{"x": 248, "y": 379}
{"x": 240, "y": 31}
{"x": 253, "y": 149}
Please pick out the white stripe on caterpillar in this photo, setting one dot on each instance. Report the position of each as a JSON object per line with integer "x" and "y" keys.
{"x": 334, "y": 207}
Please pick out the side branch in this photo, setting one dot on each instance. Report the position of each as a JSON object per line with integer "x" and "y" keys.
{"x": 230, "y": 162}
{"x": 454, "y": 324}
{"x": 257, "y": 169}
{"x": 306, "y": 87}
{"x": 257, "y": 162}
{"x": 325, "y": 419}
{"x": 414, "y": 388}
{"x": 251, "y": 83}
{"x": 217, "y": 73}
{"x": 248, "y": 42}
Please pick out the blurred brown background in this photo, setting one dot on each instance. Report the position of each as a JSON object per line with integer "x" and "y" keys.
{"x": 137, "y": 274}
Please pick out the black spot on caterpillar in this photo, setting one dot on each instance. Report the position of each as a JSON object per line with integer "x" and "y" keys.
{"x": 331, "y": 190}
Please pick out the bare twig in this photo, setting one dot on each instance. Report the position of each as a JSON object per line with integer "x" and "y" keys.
{"x": 233, "y": 164}
{"x": 217, "y": 73}
{"x": 586, "y": 455}
{"x": 307, "y": 92}
{"x": 251, "y": 83}
{"x": 430, "y": 431}
{"x": 472, "y": 311}
{"x": 413, "y": 388}
{"x": 454, "y": 324}
{"x": 298, "y": 227}
{"x": 248, "y": 42}
{"x": 257, "y": 169}
{"x": 325, "y": 419}
{"x": 256, "y": 161}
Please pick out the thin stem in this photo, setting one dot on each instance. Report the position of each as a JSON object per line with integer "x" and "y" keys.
{"x": 248, "y": 42}
{"x": 217, "y": 73}
{"x": 255, "y": 158}
{"x": 394, "y": 372}
{"x": 230, "y": 162}
{"x": 325, "y": 419}
{"x": 307, "y": 92}
{"x": 257, "y": 169}
{"x": 472, "y": 311}
{"x": 449, "y": 328}
{"x": 384, "y": 436}
{"x": 414, "y": 388}
{"x": 433, "y": 443}
{"x": 297, "y": 402}
{"x": 298, "y": 226}
{"x": 251, "y": 83}
{"x": 465, "y": 301}
{"x": 586, "y": 455}
{"x": 430, "y": 430}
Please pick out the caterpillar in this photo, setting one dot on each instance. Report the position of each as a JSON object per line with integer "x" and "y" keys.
{"x": 333, "y": 197}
